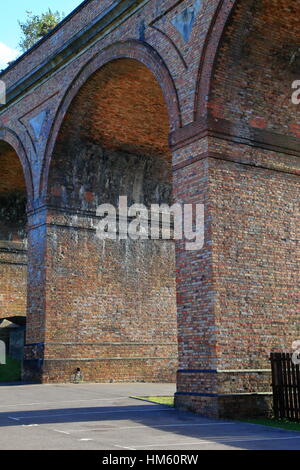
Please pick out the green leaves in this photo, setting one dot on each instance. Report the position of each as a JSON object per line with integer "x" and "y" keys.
{"x": 37, "y": 26}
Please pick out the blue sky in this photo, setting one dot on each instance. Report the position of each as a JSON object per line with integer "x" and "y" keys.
{"x": 15, "y": 10}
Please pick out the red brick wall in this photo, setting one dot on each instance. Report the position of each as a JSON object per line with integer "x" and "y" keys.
{"x": 110, "y": 304}
{"x": 255, "y": 215}
{"x": 252, "y": 193}
{"x": 13, "y": 250}
{"x": 13, "y": 280}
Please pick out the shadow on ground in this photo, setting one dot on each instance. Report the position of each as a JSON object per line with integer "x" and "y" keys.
{"x": 159, "y": 418}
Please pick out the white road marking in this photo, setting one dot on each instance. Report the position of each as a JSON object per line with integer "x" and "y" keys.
{"x": 15, "y": 419}
{"x": 122, "y": 447}
{"x": 152, "y": 426}
{"x": 66, "y": 401}
{"x": 62, "y": 432}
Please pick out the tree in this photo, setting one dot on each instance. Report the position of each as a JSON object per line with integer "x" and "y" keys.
{"x": 37, "y": 26}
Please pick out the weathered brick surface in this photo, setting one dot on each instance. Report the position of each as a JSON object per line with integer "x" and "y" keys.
{"x": 259, "y": 209}
{"x": 107, "y": 302}
{"x": 13, "y": 280}
{"x": 258, "y": 61}
{"x": 114, "y": 302}
{"x": 222, "y": 88}
{"x": 151, "y": 370}
{"x": 12, "y": 177}
{"x": 13, "y": 246}
{"x": 228, "y": 406}
{"x": 120, "y": 107}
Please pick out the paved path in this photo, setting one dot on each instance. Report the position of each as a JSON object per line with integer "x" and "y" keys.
{"x": 93, "y": 416}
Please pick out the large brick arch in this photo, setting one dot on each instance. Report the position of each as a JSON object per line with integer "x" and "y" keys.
{"x": 11, "y": 138}
{"x": 131, "y": 49}
{"x": 110, "y": 139}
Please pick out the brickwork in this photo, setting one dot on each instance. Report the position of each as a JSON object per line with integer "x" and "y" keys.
{"x": 260, "y": 54}
{"x": 13, "y": 249}
{"x": 13, "y": 279}
{"x": 114, "y": 302}
{"x": 266, "y": 254}
{"x": 89, "y": 111}
{"x": 120, "y": 107}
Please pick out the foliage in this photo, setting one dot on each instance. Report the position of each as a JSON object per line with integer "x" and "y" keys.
{"x": 168, "y": 401}
{"x": 276, "y": 423}
{"x": 37, "y": 26}
{"x": 11, "y": 371}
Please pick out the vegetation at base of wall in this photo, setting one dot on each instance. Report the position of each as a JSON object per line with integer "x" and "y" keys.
{"x": 276, "y": 423}
{"x": 11, "y": 371}
{"x": 168, "y": 401}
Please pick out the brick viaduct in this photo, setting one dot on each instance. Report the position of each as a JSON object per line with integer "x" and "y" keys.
{"x": 158, "y": 100}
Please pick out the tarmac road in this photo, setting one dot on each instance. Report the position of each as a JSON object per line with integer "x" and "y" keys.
{"x": 104, "y": 417}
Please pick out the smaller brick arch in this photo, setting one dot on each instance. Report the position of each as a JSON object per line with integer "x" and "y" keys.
{"x": 210, "y": 51}
{"x": 130, "y": 49}
{"x": 10, "y": 137}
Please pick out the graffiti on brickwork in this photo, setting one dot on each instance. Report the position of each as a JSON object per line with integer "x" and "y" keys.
{"x": 184, "y": 21}
{"x": 37, "y": 123}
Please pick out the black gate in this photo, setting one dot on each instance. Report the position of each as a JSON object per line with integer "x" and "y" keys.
{"x": 286, "y": 387}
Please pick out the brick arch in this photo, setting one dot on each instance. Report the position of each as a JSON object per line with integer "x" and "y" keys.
{"x": 257, "y": 63}
{"x": 131, "y": 49}
{"x": 249, "y": 45}
{"x": 210, "y": 52}
{"x": 11, "y": 138}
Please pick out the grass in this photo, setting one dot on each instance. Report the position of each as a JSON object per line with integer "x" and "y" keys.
{"x": 168, "y": 401}
{"x": 276, "y": 423}
{"x": 10, "y": 372}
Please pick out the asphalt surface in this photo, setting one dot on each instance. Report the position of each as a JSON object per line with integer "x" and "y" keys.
{"x": 104, "y": 417}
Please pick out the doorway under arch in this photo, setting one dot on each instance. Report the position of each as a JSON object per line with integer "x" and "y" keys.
{"x": 13, "y": 242}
